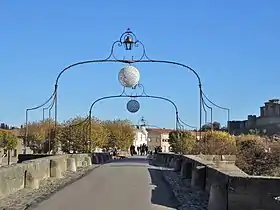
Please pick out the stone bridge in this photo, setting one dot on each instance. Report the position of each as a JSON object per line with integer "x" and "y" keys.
{"x": 165, "y": 181}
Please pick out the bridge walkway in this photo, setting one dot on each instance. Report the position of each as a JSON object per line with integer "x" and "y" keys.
{"x": 120, "y": 185}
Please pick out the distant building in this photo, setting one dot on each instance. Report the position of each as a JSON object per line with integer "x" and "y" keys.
{"x": 268, "y": 121}
{"x": 159, "y": 137}
{"x": 141, "y": 135}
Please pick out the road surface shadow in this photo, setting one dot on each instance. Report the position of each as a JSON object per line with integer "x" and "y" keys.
{"x": 162, "y": 193}
{"x": 133, "y": 159}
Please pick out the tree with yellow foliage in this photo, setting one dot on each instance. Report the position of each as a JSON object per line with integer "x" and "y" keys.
{"x": 182, "y": 141}
{"x": 72, "y": 135}
{"x": 75, "y": 135}
{"x": 217, "y": 143}
{"x": 120, "y": 134}
{"x": 39, "y": 133}
{"x": 8, "y": 142}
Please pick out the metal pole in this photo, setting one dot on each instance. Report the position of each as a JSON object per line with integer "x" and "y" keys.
{"x": 200, "y": 111}
{"x": 228, "y": 116}
{"x": 55, "y": 113}
{"x": 43, "y": 114}
{"x": 26, "y": 131}
{"x": 205, "y": 117}
{"x": 55, "y": 106}
{"x": 177, "y": 119}
{"x": 181, "y": 139}
{"x": 211, "y": 118}
{"x": 49, "y": 132}
{"x": 44, "y": 124}
{"x": 90, "y": 131}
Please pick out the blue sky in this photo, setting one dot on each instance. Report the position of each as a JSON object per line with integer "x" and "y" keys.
{"x": 233, "y": 45}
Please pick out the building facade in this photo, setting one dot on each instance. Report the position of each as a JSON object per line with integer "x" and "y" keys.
{"x": 268, "y": 121}
{"x": 159, "y": 137}
{"x": 141, "y": 136}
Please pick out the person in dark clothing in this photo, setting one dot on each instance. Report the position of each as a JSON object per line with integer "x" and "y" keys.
{"x": 132, "y": 150}
{"x": 142, "y": 149}
{"x": 138, "y": 150}
{"x": 115, "y": 152}
{"x": 146, "y": 149}
{"x": 156, "y": 151}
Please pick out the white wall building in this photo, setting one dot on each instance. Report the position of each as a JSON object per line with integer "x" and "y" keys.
{"x": 141, "y": 136}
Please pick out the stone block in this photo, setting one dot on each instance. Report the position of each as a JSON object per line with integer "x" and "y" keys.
{"x": 178, "y": 164}
{"x": 218, "y": 196}
{"x": 55, "y": 169}
{"x": 186, "y": 170}
{"x": 95, "y": 158}
{"x": 71, "y": 165}
{"x": 198, "y": 177}
{"x": 31, "y": 181}
{"x": 171, "y": 162}
{"x": 12, "y": 179}
{"x": 100, "y": 159}
{"x": 88, "y": 161}
{"x": 84, "y": 163}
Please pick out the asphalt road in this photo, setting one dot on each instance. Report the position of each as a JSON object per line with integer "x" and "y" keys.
{"x": 129, "y": 184}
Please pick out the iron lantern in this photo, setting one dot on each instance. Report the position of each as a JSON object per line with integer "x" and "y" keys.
{"x": 128, "y": 42}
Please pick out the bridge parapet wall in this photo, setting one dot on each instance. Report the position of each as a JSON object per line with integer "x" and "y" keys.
{"x": 29, "y": 174}
{"x": 229, "y": 188}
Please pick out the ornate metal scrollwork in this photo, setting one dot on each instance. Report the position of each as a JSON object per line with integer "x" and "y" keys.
{"x": 128, "y": 41}
{"x": 136, "y": 91}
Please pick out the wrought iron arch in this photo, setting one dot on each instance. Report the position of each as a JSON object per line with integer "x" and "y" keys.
{"x": 88, "y": 120}
{"x": 129, "y": 40}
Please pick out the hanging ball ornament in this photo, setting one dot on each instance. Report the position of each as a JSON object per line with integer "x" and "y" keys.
{"x": 129, "y": 76}
{"x": 133, "y": 106}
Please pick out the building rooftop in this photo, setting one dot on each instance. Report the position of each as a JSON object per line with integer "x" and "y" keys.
{"x": 274, "y": 101}
{"x": 160, "y": 130}
{"x": 167, "y": 131}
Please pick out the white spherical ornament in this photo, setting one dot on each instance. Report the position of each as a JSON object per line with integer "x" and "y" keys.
{"x": 129, "y": 76}
{"x": 133, "y": 106}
